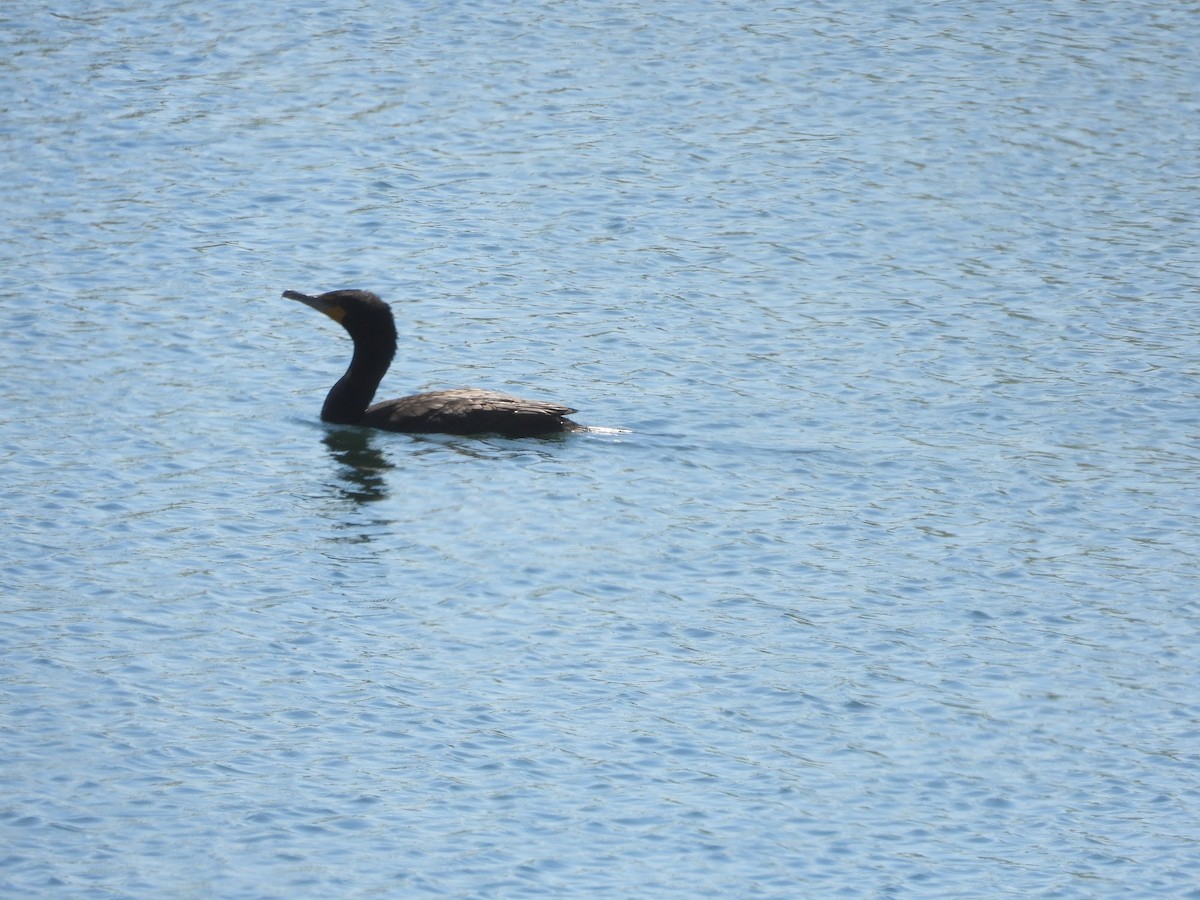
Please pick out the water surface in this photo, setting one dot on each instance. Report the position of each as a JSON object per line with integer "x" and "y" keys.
{"x": 891, "y": 588}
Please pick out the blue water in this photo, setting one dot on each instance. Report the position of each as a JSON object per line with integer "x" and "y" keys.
{"x": 891, "y": 588}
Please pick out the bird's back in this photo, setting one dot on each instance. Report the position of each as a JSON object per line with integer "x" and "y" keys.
{"x": 469, "y": 411}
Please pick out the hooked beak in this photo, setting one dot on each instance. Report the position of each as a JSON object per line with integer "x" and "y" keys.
{"x": 333, "y": 310}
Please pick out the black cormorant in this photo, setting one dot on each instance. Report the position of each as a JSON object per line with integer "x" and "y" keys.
{"x": 461, "y": 411}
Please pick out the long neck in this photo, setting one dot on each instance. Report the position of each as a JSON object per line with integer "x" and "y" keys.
{"x": 349, "y": 398}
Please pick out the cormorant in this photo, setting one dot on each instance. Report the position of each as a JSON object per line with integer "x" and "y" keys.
{"x": 461, "y": 411}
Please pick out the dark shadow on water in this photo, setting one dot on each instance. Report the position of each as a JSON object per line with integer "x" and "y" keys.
{"x": 363, "y": 466}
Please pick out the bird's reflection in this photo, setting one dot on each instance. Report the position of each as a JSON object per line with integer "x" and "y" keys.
{"x": 362, "y": 465}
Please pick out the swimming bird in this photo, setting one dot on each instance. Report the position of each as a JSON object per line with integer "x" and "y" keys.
{"x": 460, "y": 411}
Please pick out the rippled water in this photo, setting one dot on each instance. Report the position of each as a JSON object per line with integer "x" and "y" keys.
{"x": 891, "y": 589}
